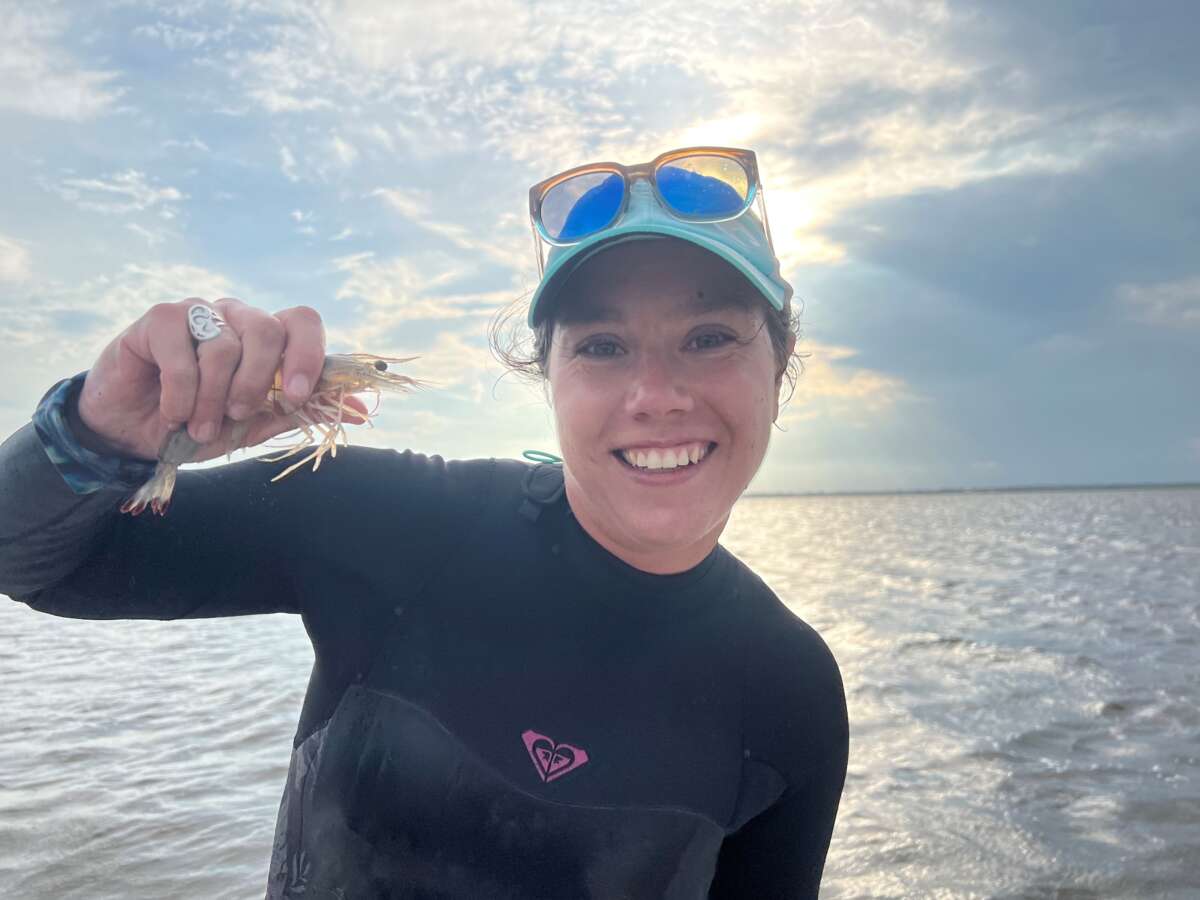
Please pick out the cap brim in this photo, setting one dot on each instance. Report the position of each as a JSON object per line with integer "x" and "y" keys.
{"x": 562, "y": 267}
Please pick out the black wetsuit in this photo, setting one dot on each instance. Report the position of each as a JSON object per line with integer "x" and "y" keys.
{"x": 499, "y": 708}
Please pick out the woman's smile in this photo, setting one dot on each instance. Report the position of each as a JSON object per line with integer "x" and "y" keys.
{"x": 665, "y": 455}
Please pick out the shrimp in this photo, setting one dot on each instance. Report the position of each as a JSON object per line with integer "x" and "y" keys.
{"x": 320, "y": 422}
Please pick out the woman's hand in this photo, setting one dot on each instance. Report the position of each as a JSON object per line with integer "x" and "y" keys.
{"x": 154, "y": 378}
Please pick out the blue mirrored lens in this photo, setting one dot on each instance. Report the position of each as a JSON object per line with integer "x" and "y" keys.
{"x": 704, "y": 186}
{"x": 582, "y": 205}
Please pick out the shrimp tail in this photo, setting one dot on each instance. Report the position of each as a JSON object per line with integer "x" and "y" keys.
{"x": 155, "y": 493}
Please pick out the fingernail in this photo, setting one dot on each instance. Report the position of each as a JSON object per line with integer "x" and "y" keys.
{"x": 205, "y": 432}
{"x": 239, "y": 411}
{"x": 297, "y": 387}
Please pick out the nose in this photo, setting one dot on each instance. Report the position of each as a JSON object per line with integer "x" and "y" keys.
{"x": 658, "y": 388}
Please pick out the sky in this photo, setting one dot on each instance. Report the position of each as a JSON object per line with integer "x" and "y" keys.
{"x": 989, "y": 211}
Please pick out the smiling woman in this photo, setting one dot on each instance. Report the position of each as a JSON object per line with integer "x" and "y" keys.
{"x": 530, "y": 681}
{"x": 658, "y": 351}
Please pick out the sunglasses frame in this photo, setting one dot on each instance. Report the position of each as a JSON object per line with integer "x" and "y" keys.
{"x": 648, "y": 171}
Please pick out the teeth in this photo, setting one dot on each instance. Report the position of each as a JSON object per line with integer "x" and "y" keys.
{"x": 665, "y": 458}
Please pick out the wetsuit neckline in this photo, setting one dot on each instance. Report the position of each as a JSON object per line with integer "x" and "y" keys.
{"x": 583, "y": 547}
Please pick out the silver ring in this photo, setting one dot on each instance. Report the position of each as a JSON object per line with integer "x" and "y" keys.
{"x": 204, "y": 322}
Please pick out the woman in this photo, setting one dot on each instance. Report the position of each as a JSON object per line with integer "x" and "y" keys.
{"x": 529, "y": 681}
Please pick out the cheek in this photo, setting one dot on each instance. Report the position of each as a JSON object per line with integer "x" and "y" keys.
{"x": 578, "y": 415}
{"x": 754, "y": 403}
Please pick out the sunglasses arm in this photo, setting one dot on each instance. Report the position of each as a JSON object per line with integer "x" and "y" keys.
{"x": 537, "y": 249}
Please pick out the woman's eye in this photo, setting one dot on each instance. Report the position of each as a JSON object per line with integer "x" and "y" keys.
{"x": 710, "y": 340}
{"x": 599, "y": 348}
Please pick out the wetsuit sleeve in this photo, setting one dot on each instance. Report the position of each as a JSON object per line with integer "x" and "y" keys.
{"x": 796, "y": 724}
{"x": 220, "y": 550}
{"x": 231, "y": 543}
{"x": 223, "y": 549}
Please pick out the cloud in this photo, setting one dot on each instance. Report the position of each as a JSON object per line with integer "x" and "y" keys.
{"x": 1002, "y": 264}
{"x": 192, "y": 143}
{"x": 833, "y": 388}
{"x": 51, "y": 329}
{"x": 388, "y": 293}
{"x": 14, "y": 260}
{"x": 304, "y": 220}
{"x": 53, "y": 322}
{"x": 121, "y": 193}
{"x": 176, "y": 37}
{"x": 343, "y": 150}
{"x": 152, "y": 238}
{"x": 453, "y": 361}
{"x": 847, "y": 103}
{"x": 1171, "y": 304}
{"x": 287, "y": 164}
{"x": 39, "y": 78}
{"x": 501, "y": 244}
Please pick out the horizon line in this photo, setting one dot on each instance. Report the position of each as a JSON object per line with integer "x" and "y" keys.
{"x": 1122, "y": 486}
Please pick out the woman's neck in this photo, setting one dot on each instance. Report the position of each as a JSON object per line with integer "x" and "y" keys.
{"x": 655, "y": 559}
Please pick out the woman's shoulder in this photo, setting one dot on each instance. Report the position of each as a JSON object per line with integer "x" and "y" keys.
{"x": 410, "y": 475}
{"x": 785, "y": 654}
{"x": 403, "y": 494}
{"x": 794, "y": 716}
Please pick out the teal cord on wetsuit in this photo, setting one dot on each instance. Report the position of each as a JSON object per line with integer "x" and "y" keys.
{"x": 541, "y": 456}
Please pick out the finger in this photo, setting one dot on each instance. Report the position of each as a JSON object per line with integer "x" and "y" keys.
{"x": 263, "y": 340}
{"x": 218, "y": 359}
{"x": 171, "y": 349}
{"x": 304, "y": 353}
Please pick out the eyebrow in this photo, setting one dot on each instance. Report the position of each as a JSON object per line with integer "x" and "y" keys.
{"x": 587, "y": 313}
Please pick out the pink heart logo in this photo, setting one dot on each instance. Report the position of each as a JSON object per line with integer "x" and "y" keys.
{"x": 550, "y": 758}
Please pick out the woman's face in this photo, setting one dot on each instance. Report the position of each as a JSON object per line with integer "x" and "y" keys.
{"x": 655, "y": 361}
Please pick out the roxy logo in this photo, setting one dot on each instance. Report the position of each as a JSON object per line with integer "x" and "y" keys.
{"x": 550, "y": 758}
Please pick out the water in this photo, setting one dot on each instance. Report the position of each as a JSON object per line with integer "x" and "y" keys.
{"x": 1020, "y": 669}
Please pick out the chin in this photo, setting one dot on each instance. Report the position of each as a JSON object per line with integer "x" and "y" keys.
{"x": 666, "y": 527}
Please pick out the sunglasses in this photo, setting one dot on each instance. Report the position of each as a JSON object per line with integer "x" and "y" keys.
{"x": 694, "y": 184}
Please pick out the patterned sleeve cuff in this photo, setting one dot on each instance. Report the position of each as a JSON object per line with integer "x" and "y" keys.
{"x": 84, "y": 470}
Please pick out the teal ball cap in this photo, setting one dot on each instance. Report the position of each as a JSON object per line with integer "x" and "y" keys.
{"x": 741, "y": 242}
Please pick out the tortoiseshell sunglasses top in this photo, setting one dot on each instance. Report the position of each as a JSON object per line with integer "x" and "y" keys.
{"x": 696, "y": 184}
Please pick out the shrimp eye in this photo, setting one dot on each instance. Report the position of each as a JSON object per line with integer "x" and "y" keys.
{"x": 380, "y": 365}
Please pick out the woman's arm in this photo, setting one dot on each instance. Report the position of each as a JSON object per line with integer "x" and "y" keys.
{"x": 781, "y": 853}
{"x": 797, "y": 730}
{"x": 222, "y": 549}
{"x": 65, "y": 548}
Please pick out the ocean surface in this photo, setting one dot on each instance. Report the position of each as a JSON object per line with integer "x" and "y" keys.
{"x": 1022, "y": 672}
